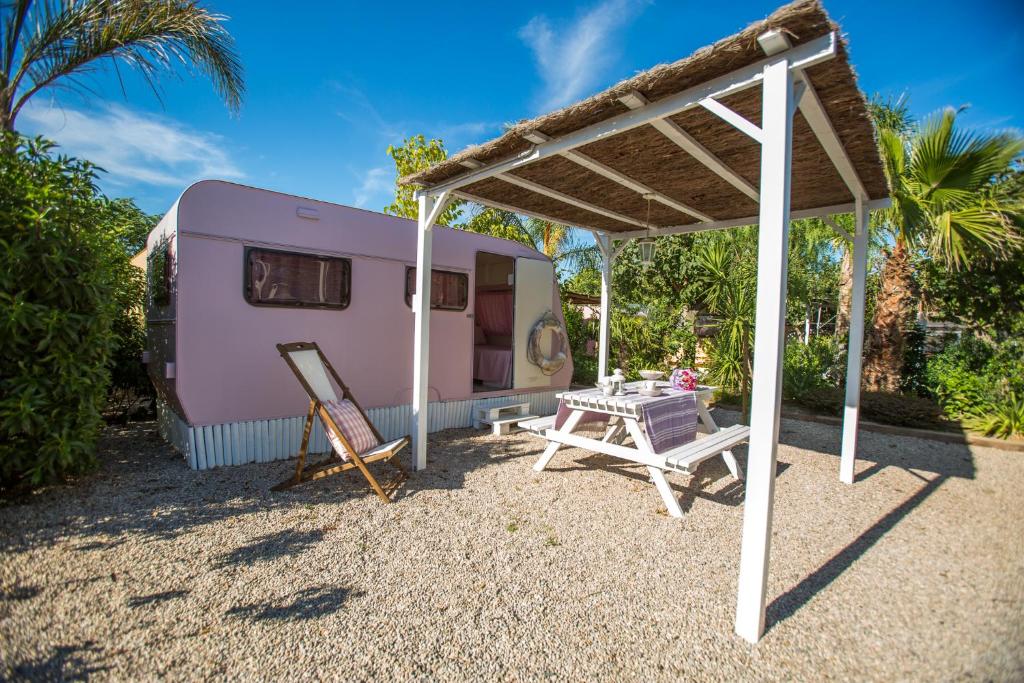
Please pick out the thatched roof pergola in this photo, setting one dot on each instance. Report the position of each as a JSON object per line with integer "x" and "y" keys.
{"x": 703, "y": 168}
{"x": 760, "y": 128}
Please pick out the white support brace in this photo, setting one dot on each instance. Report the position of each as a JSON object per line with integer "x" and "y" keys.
{"x": 732, "y": 118}
{"x": 430, "y": 208}
{"x": 770, "y": 320}
{"x": 802, "y": 56}
{"x": 814, "y": 113}
{"x": 675, "y": 133}
{"x": 621, "y": 178}
{"x": 855, "y": 345}
{"x": 618, "y": 249}
{"x": 608, "y": 254}
{"x": 836, "y": 228}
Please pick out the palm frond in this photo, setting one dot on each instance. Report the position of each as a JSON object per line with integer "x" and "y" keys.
{"x": 153, "y": 37}
{"x": 941, "y": 179}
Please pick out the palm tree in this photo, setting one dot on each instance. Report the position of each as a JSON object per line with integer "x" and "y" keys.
{"x": 46, "y": 43}
{"x": 728, "y": 288}
{"x": 944, "y": 206}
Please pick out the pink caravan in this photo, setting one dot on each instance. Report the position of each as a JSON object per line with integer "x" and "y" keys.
{"x": 233, "y": 271}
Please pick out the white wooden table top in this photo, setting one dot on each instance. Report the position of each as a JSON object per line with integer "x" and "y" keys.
{"x": 629, "y": 404}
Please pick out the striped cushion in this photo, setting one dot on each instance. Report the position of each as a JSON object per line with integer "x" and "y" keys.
{"x": 353, "y": 425}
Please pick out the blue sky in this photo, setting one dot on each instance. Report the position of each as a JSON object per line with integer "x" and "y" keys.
{"x": 332, "y": 84}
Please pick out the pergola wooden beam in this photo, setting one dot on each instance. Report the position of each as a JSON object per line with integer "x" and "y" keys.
{"x": 820, "y": 212}
{"x": 675, "y": 133}
{"x": 462, "y": 194}
{"x": 596, "y": 166}
{"x": 562, "y": 197}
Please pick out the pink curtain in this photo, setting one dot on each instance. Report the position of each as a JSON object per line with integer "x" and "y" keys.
{"x": 494, "y": 312}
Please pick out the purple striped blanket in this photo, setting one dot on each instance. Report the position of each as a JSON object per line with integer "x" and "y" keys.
{"x": 671, "y": 422}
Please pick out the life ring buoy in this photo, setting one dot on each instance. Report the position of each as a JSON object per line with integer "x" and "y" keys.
{"x": 548, "y": 365}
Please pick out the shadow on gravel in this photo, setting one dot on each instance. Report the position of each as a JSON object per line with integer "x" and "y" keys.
{"x": 309, "y": 603}
{"x": 932, "y": 467}
{"x": 272, "y": 547}
{"x": 454, "y": 453}
{"x": 155, "y": 598}
{"x": 144, "y": 490}
{"x": 64, "y": 663}
{"x": 15, "y": 593}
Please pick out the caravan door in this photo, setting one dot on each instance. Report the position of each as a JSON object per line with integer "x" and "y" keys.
{"x": 534, "y": 292}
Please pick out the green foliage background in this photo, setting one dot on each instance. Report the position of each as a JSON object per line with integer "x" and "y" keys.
{"x": 69, "y": 310}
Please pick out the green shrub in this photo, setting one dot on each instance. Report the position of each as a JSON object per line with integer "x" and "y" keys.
{"x": 57, "y": 308}
{"x": 1001, "y": 416}
{"x": 971, "y": 376}
{"x": 956, "y": 376}
{"x": 579, "y": 331}
{"x": 129, "y": 382}
{"x": 913, "y": 379}
{"x": 811, "y": 366}
{"x": 877, "y": 406}
{"x": 653, "y": 338}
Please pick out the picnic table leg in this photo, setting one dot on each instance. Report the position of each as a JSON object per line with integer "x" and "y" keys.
{"x": 667, "y": 494}
{"x": 641, "y": 443}
{"x": 705, "y": 416}
{"x": 734, "y": 467}
{"x": 615, "y": 431}
{"x": 709, "y": 422}
{"x": 553, "y": 446}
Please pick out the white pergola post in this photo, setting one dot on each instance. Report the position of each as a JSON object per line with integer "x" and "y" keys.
{"x": 430, "y": 207}
{"x": 604, "y": 244}
{"x": 855, "y": 346}
{"x": 776, "y": 152}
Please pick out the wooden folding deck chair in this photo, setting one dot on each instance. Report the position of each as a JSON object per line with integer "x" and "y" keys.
{"x": 311, "y": 368}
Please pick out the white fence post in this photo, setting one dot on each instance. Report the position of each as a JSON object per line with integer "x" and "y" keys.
{"x": 430, "y": 208}
{"x": 855, "y": 346}
{"x": 776, "y": 152}
{"x": 604, "y": 243}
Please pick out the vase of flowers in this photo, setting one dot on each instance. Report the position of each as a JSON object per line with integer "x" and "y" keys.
{"x": 684, "y": 379}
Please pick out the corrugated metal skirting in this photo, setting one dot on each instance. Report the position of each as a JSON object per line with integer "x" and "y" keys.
{"x": 238, "y": 443}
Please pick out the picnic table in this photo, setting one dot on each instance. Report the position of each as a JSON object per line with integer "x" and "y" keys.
{"x": 625, "y": 416}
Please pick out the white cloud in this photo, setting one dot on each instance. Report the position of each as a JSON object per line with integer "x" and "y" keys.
{"x": 376, "y": 182}
{"x": 571, "y": 60}
{"x": 134, "y": 148}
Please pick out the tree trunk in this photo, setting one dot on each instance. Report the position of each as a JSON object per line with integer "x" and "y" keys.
{"x": 845, "y": 296}
{"x": 883, "y": 364}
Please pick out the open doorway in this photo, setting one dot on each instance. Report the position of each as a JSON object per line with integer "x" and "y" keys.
{"x": 493, "y": 317}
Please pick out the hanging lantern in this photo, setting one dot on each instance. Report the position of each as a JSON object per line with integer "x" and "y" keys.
{"x": 647, "y": 246}
{"x": 646, "y": 243}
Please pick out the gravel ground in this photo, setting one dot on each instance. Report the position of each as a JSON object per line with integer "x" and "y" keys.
{"x": 484, "y": 570}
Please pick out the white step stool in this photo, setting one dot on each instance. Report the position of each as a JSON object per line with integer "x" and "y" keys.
{"x": 502, "y": 417}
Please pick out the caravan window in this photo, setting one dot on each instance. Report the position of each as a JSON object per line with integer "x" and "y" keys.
{"x": 281, "y": 278}
{"x": 449, "y": 291}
